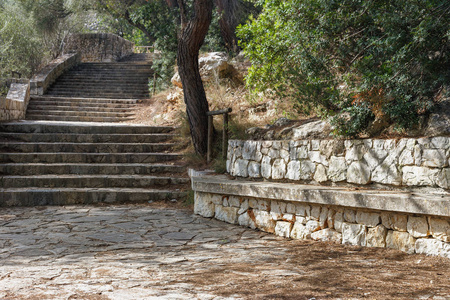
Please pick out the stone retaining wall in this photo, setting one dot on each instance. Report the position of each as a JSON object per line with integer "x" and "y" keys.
{"x": 14, "y": 106}
{"x": 98, "y": 47}
{"x": 306, "y": 216}
{"x": 46, "y": 76}
{"x": 401, "y": 162}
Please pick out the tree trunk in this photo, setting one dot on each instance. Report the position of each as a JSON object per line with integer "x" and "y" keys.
{"x": 228, "y": 23}
{"x": 191, "y": 38}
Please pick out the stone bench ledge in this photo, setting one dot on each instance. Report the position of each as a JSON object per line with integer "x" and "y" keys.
{"x": 434, "y": 204}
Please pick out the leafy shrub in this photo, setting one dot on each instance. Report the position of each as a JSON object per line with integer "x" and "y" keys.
{"x": 325, "y": 53}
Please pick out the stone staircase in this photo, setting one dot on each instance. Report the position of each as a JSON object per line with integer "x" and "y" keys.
{"x": 95, "y": 92}
{"x": 45, "y": 162}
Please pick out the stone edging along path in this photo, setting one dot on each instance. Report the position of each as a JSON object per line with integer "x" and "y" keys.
{"x": 411, "y": 222}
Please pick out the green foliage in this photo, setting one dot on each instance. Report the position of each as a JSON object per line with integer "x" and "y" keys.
{"x": 336, "y": 55}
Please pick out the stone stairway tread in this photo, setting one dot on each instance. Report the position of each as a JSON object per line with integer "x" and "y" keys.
{"x": 89, "y": 168}
{"x": 90, "y": 181}
{"x": 77, "y": 119}
{"x": 34, "y": 108}
{"x": 85, "y": 113}
{"x": 72, "y": 196}
{"x": 76, "y": 157}
{"x": 87, "y": 138}
{"x": 82, "y": 99}
{"x": 81, "y": 128}
{"x": 85, "y": 147}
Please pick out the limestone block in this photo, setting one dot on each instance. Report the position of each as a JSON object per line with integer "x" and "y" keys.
{"x": 262, "y": 204}
{"x": 443, "y": 178}
{"x": 274, "y": 153}
{"x": 276, "y": 216}
{"x": 290, "y": 208}
{"x": 241, "y": 168}
{"x": 284, "y": 154}
{"x": 434, "y": 158}
{"x": 358, "y": 172}
{"x": 302, "y": 209}
{"x": 327, "y": 235}
{"x": 315, "y": 145}
{"x": 266, "y": 167}
{"x": 440, "y": 142}
{"x": 293, "y": 170}
{"x": 314, "y": 213}
{"x": 395, "y": 221}
{"x": 330, "y": 218}
{"x": 279, "y": 169}
{"x": 332, "y": 147}
{"x": 312, "y": 226}
{"x": 374, "y": 157}
{"x": 410, "y": 143}
{"x": 368, "y": 219}
{"x": 337, "y": 170}
{"x": 350, "y": 216}
{"x": 432, "y": 247}
{"x": 244, "y": 206}
{"x": 234, "y": 201}
{"x": 323, "y": 218}
{"x": 440, "y": 229}
{"x": 354, "y": 234}
{"x": 376, "y": 237}
{"x": 226, "y": 214}
{"x": 406, "y": 158}
{"x": 387, "y": 174}
{"x": 264, "y": 151}
{"x": 418, "y": 155}
{"x": 302, "y": 152}
{"x": 321, "y": 174}
{"x": 283, "y": 229}
{"x": 307, "y": 169}
{"x": 285, "y": 145}
{"x": 264, "y": 221}
{"x": 401, "y": 241}
{"x": 389, "y": 144}
{"x": 299, "y": 231}
{"x": 302, "y": 220}
{"x": 317, "y": 157}
{"x": 252, "y": 151}
{"x": 378, "y": 144}
{"x": 216, "y": 199}
{"x": 338, "y": 221}
{"x": 267, "y": 144}
{"x": 254, "y": 169}
{"x": 413, "y": 175}
{"x": 355, "y": 153}
{"x": 417, "y": 226}
{"x": 289, "y": 218}
{"x": 203, "y": 205}
{"x": 276, "y": 145}
{"x": 245, "y": 220}
{"x": 278, "y": 207}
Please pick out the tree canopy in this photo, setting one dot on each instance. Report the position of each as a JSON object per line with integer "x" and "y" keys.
{"x": 376, "y": 60}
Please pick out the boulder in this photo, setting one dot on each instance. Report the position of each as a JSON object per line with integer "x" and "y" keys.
{"x": 211, "y": 66}
{"x": 438, "y": 123}
{"x": 316, "y": 129}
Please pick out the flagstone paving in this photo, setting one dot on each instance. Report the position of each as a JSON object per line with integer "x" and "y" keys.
{"x": 155, "y": 252}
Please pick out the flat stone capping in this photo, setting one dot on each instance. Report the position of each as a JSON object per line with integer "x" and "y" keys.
{"x": 14, "y": 106}
{"x": 46, "y": 76}
{"x": 435, "y": 204}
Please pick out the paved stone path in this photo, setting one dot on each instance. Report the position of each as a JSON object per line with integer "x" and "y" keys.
{"x": 150, "y": 252}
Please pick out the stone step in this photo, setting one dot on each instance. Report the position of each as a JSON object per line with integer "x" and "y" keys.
{"x": 81, "y": 93}
{"x": 117, "y": 65}
{"x": 131, "y": 76}
{"x": 101, "y": 101}
{"x": 100, "y": 84}
{"x": 80, "y": 107}
{"x": 99, "y": 90}
{"x": 87, "y": 81}
{"x": 72, "y": 196}
{"x": 37, "y": 104}
{"x": 78, "y": 113}
{"x": 40, "y": 117}
{"x": 81, "y": 128}
{"x": 25, "y": 169}
{"x": 90, "y": 181}
{"x": 87, "y": 138}
{"x": 76, "y": 157}
{"x": 8, "y": 147}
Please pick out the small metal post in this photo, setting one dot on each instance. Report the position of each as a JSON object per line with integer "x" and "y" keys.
{"x": 210, "y": 139}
